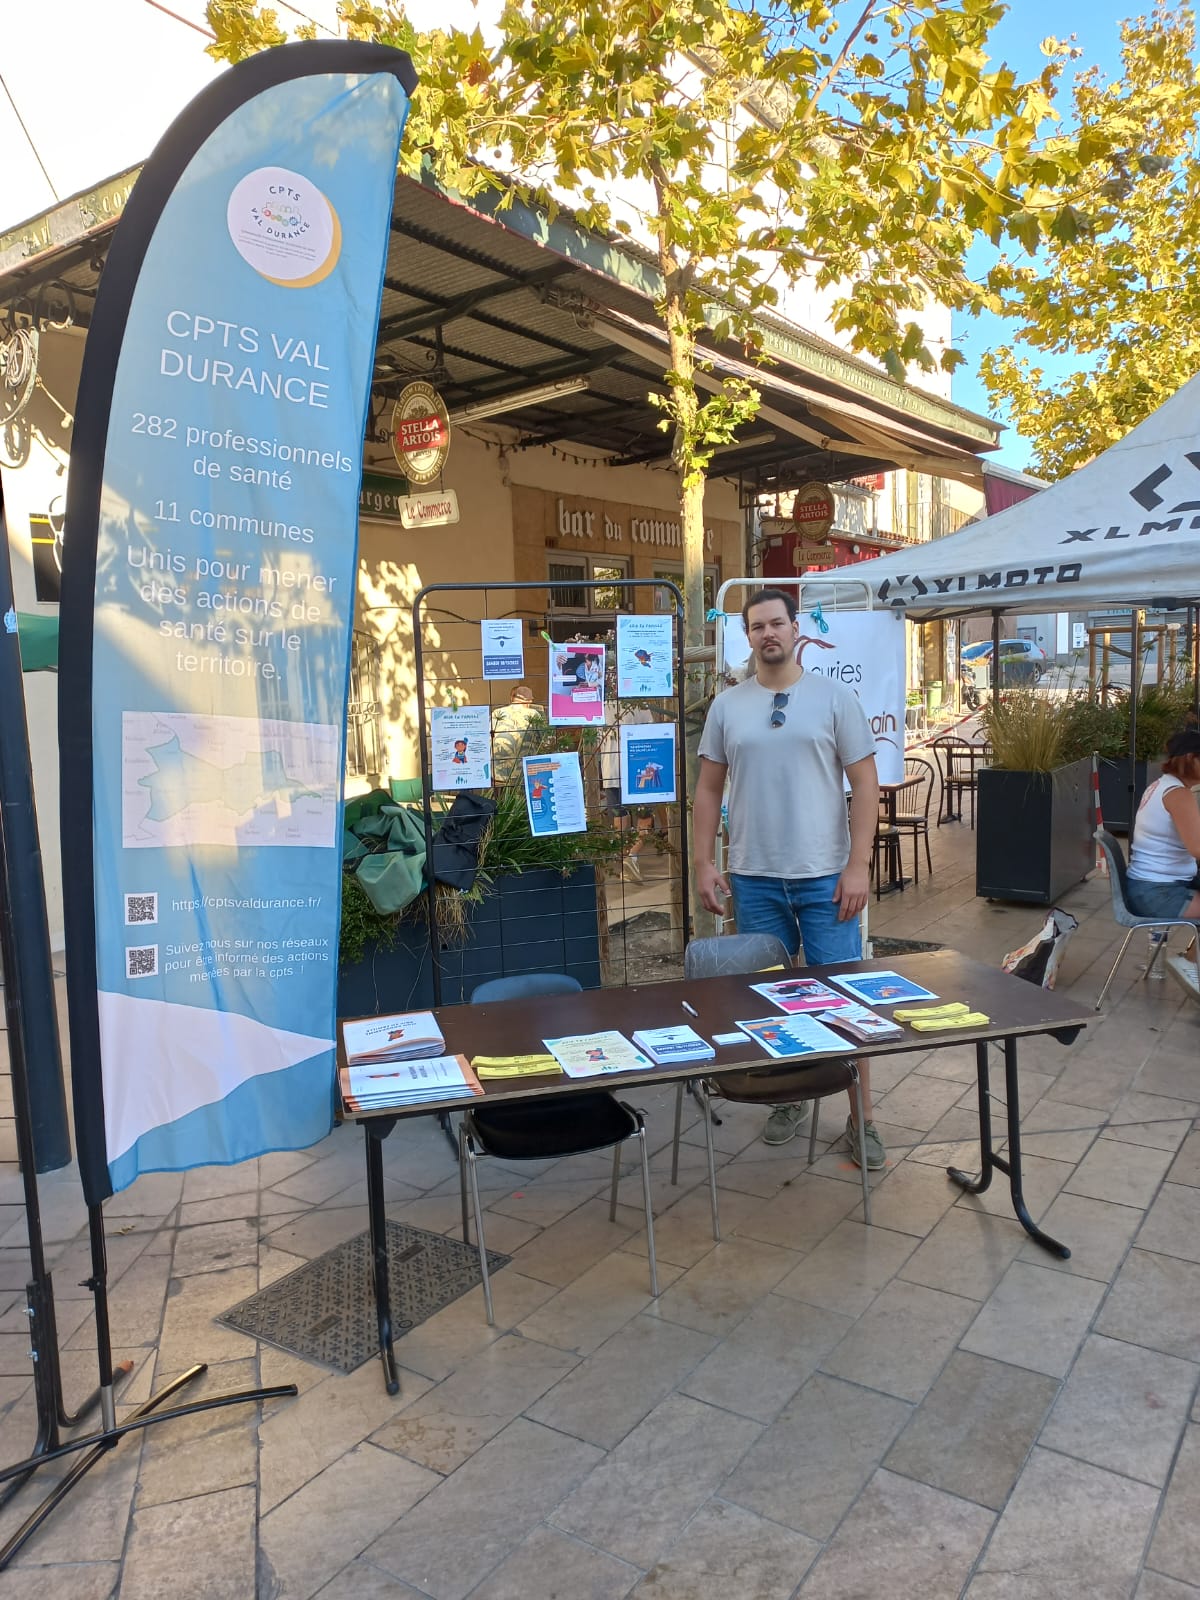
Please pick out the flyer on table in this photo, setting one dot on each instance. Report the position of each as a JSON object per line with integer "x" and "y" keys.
{"x": 554, "y": 794}
{"x": 792, "y": 1036}
{"x": 503, "y": 647}
{"x": 590, "y": 1055}
{"x": 576, "y": 684}
{"x": 800, "y": 994}
{"x": 645, "y": 660}
{"x": 881, "y": 988}
{"x": 461, "y": 739}
{"x": 648, "y": 763}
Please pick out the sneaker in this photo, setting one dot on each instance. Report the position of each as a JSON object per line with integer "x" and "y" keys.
{"x": 632, "y": 870}
{"x": 876, "y": 1154}
{"x": 1186, "y": 973}
{"x": 785, "y": 1122}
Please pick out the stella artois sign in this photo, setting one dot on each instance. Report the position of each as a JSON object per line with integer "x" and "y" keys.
{"x": 420, "y": 432}
{"x": 813, "y": 512}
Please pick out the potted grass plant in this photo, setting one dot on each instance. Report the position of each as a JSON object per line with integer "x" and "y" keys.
{"x": 532, "y": 905}
{"x": 1034, "y": 828}
{"x": 1105, "y": 728}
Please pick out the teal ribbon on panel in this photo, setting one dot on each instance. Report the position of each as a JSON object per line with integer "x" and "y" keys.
{"x": 819, "y": 618}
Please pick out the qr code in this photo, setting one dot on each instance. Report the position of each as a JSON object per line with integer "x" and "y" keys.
{"x": 141, "y": 961}
{"x": 141, "y": 908}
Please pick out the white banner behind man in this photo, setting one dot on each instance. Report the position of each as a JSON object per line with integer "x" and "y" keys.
{"x": 865, "y": 651}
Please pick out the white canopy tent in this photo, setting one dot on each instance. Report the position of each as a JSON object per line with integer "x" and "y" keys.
{"x": 1122, "y": 531}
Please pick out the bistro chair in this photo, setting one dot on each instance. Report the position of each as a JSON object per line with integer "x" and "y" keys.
{"x": 780, "y": 1085}
{"x": 545, "y": 1127}
{"x": 885, "y": 853}
{"x": 1118, "y": 883}
{"x": 957, "y": 758}
{"x": 916, "y": 821}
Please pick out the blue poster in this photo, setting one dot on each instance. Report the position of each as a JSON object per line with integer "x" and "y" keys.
{"x": 225, "y": 540}
{"x": 648, "y": 763}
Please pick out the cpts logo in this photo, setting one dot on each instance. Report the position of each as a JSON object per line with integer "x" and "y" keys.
{"x": 284, "y": 227}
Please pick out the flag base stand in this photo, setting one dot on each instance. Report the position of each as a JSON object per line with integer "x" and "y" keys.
{"x": 90, "y": 1448}
{"x": 31, "y": 1023}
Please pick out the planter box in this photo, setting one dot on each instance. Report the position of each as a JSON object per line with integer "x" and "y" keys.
{"x": 1033, "y": 836}
{"x": 531, "y": 922}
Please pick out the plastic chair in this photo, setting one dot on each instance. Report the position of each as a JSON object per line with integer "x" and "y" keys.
{"x": 917, "y": 822}
{"x": 781, "y": 1085}
{"x": 545, "y": 1127}
{"x": 1118, "y": 883}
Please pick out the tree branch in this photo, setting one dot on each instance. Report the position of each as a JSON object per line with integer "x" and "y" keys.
{"x": 838, "y": 61}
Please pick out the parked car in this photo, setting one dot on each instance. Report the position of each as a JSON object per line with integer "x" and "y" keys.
{"x": 1009, "y": 648}
{"x": 1021, "y": 660}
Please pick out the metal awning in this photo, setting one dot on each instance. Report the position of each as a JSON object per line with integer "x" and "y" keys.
{"x": 492, "y": 299}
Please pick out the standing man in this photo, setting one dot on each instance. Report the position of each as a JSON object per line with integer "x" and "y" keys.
{"x": 784, "y": 738}
{"x": 512, "y": 731}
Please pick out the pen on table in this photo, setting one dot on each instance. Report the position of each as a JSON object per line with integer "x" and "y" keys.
{"x": 691, "y": 1010}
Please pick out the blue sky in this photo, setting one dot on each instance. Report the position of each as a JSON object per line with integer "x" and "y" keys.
{"x": 1095, "y": 26}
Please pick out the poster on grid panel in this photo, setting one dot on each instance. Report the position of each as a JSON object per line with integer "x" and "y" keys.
{"x": 862, "y": 649}
{"x": 208, "y": 593}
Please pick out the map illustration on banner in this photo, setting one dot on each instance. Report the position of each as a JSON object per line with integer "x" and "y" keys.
{"x": 193, "y": 780}
{"x": 208, "y": 593}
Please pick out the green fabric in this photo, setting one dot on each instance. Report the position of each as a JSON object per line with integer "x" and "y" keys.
{"x": 386, "y": 845}
{"x": 394, "y": 876}
{"x": 364, "y": 805}
{"x": 37, "y": 636}
{"x": 352, "y": 849}
{"x": 406, "y": 790}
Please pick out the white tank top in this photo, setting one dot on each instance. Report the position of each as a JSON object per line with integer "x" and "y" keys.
{"x": 1157, "y": 853}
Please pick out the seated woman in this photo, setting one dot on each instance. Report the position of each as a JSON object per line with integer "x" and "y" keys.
{"x": 1165, "y": 849}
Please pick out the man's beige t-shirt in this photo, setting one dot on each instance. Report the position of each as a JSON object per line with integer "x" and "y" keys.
{"x": 787, "y": 803}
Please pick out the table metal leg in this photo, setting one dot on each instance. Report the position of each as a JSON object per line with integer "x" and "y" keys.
{"x": 447, "y": 1127}
{"x": 989, "y": 1160}
{"x": 377, "y": 1216}
{"x": 987, "y": 1157}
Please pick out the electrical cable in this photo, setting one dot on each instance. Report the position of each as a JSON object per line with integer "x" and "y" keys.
{"x": 29, "y": 136}
{"x": 175, "y": 17}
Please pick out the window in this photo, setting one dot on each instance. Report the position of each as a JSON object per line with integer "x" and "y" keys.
{"x": 572, "y": 574}
{"x": 363, "y": 745}
{"x": 664, "y": 600}
{"x": 614, "y": 597}
{"x": 568, "y": 572}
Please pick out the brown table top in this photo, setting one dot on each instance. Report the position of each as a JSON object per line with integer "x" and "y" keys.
{"x": 518, "y": 1027}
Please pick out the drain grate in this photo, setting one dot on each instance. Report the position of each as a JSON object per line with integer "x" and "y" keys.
{"x": 325, "y": 1310}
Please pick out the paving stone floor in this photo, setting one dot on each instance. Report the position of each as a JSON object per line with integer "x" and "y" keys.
{"x": 928, "y": 1407}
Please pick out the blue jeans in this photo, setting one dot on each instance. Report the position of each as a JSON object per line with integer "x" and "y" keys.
{"x": 799, "y": 911}
{"x": 1150, "y": 898}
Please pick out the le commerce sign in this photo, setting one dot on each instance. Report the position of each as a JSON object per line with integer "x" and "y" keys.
{"x": 813, "y": 511}
{"x": 420, "y": 432}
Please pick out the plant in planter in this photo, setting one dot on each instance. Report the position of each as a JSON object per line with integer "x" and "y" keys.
{"x": 1104, "y": 727}
{"x": 1034, "y": 834}
{"x": 538, "y": 892}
